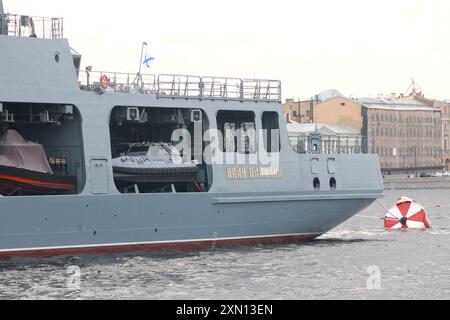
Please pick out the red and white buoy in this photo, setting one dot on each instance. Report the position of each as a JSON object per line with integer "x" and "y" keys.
{"x": 407, "y": 214}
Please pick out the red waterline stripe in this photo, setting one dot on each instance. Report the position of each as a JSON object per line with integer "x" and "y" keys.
{"x": 183, "y": 246}
{"x": 36, "y": 182}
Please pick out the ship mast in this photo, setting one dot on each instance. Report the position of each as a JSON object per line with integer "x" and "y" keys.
{"x": 2, "y": 20}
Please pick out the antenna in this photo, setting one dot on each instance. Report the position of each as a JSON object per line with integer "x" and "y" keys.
{"x": 144, "y": 44}
{"x": 414, "y": 89}
{"x": 3, "y": 21}
{"x": 138, "y": 79}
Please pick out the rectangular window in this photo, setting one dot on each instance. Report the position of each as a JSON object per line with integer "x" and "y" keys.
{"x": 271, "y": 132}
{"x": 239, "y": 131}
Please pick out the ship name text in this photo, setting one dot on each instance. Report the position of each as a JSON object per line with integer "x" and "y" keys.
{"x": 242, "y": 173}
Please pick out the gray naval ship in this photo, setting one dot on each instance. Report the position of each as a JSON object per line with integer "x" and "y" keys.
{"x": 100, "y": 162}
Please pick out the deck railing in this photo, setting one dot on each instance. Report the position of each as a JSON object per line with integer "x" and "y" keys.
{"x": 118, "y": 82}
{"x": 183, "y": 86}
{"x": 329, "y": 144}
{"x": 28, "y": 26}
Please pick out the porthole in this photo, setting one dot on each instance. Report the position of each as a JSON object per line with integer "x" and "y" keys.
{"x": 333, "y": 184}
{"x": 316, "y": 184}
{"x": 57, "y": 57}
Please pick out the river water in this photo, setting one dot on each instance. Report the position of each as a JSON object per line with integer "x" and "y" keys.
{"x": 358, "y": 260}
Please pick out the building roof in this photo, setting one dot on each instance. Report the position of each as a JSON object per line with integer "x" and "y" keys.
{"x": 397, "y": 104}
{"x": 441, "y": 101}
{"x": 339, "y": 129}
{"x": 310, "y": 127}
{"x": 329, "y": 94}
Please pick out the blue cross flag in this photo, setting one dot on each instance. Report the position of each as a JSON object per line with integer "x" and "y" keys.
{"x": 147, "y": 61}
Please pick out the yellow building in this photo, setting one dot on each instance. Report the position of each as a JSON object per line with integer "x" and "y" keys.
{"x": 302, "y": 111}
{"x": 340, "y": 111}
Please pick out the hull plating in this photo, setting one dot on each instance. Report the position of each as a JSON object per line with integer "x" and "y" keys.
{"x": 48, "y": 226}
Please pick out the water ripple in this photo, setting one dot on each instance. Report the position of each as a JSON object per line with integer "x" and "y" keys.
{"x": 412, "y": 265}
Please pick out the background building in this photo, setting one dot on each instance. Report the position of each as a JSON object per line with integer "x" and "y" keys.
{"x": 303, "y": 111}
{"x": 444, "y": 106}
{"x": 406, "y": 134}
{"x": 300, "y": 111}
{"x": 334, "y": 139}
{"x": 340, "y": 111}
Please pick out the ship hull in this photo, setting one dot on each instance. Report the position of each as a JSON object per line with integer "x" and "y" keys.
{"x": 152, "y": 247}
{"x": 114, "y": 224}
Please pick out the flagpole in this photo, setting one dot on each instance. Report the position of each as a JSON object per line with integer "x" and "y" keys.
{"x": 140, "y": 64}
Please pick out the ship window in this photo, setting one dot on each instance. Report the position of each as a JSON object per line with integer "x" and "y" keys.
{"x": 159, "y": 150}
{"x": 238, "y": 131}
{"x": 271, "y": 132}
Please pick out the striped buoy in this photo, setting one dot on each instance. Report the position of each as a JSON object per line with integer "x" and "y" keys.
{"x": 407, "y": 214}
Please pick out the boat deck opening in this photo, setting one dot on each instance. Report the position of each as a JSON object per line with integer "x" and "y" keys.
{"x": 152, "y": 150}
{"x": 41, "y": 149}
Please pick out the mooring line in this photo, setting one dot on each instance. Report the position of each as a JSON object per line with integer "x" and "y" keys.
{"x": 367, "y": 217}
{"x": 388, "y": 211}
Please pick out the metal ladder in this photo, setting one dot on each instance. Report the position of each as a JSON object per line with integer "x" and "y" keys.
{"x": 57, "y": 28}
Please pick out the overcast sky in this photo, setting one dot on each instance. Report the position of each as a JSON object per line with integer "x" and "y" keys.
{"x": 359, "y": 47}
